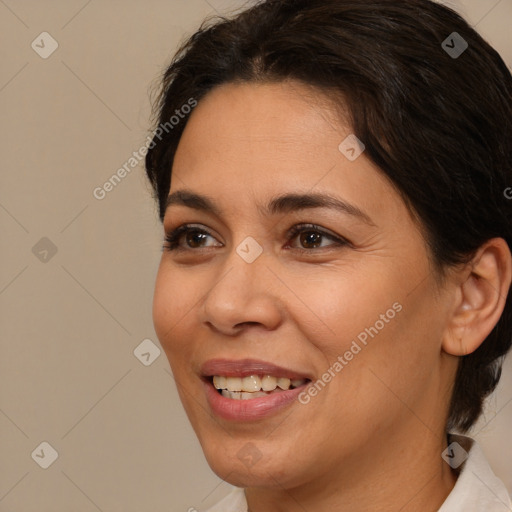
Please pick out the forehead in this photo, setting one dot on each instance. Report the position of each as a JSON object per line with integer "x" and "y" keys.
{"x": 245, "y": 141}
{"x": 276, "y": 117}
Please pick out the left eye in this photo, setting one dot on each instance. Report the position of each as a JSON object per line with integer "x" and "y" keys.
{"x": 311, "y": 234}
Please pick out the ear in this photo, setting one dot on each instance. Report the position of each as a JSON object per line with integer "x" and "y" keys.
{"x": 481, "y": 294}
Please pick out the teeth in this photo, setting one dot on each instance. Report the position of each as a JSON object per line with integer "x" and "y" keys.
{"x": 231, "y": 394}
{"x": 236, "y": 395}
{"x": 219, "y": 382}
{"x": 284, "y": 383}
{"x": 234, "y": 383}
{"x": 257, "y": 394}
{"x": 268, "y": 383}
{"x": 253, "y": 385}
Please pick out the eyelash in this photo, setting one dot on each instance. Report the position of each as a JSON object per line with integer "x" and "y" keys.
{"x": 172, "y": 239}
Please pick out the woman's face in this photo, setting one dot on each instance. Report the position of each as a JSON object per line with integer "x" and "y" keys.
{"x": 348, "y": 309}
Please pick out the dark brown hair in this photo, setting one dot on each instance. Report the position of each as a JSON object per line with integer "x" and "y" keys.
{"x": 438, "y": 125}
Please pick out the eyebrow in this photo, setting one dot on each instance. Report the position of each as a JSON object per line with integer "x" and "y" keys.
{"x": 280, "y": 204}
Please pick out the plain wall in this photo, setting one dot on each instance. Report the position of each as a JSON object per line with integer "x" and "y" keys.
{"x": 70, "y": 321}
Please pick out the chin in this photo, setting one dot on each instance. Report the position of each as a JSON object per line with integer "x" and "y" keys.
{"x": 243, "y": 464}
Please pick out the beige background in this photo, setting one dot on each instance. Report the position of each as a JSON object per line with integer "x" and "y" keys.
{"x": 70, "y": 324}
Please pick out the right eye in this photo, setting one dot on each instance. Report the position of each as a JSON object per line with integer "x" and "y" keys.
{"x": 193, "y": 237}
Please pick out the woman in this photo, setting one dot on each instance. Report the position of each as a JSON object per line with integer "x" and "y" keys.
{"x": 334, "y": 291}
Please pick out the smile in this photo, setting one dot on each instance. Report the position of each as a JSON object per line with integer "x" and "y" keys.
{"x": 249, "y": 390}
{"x": 254, "y": 386}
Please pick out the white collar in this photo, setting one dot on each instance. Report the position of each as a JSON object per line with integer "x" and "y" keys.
{"x": 477, "y": 488}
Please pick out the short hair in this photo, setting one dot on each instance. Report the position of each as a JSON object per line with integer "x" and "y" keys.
{"x": 436, "y": 122}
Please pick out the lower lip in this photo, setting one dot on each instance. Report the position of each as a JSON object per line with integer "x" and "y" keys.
{"x": 251, "y": 409}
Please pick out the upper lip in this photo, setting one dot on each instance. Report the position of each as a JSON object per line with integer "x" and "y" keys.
{"x": 246, "y": 367}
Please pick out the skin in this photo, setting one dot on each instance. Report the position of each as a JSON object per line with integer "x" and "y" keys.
{"x": 372, "y": 438}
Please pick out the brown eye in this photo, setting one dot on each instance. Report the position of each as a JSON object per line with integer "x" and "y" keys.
{"x": 311, "y": 237}
{"x": 193, "y": 236}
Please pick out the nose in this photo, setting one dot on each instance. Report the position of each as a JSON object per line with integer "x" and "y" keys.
{"x": 243, "y": 294}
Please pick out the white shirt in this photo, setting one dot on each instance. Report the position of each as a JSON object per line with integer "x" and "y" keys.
{"x": 477, "y": 488}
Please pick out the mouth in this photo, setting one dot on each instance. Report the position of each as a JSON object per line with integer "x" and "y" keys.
{"x": 248, "y": 390}
{"x": 253, "y": 386}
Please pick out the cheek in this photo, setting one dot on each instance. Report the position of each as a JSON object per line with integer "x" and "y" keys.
{"x": 347, "y": 306}
{"x": 388, "y": 366}
{"x": 163, "y": 306}
{"x": 385, "y": 336}
{"x": 171, "y": 303}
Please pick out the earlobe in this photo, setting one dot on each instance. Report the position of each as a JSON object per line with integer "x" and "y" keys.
{"x": 480, "y": 299}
